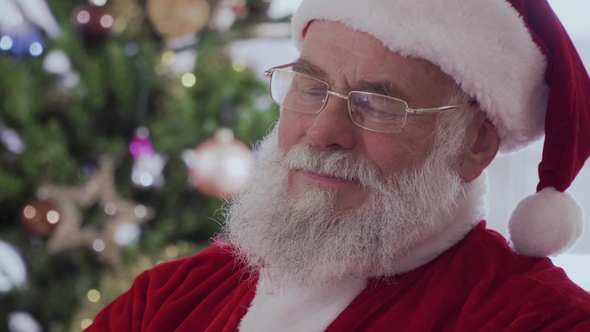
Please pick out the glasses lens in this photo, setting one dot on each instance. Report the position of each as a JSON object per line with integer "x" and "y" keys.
{"x": 377, "y": 112}
{"x": 298, "y": 92}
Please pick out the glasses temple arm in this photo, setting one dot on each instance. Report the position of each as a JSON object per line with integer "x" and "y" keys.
{"x": 419, "y": 111}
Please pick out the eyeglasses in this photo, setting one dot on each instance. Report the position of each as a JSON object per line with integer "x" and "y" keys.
{"x": 374, "y": 112}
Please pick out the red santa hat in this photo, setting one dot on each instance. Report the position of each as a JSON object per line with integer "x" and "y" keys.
{"x": 516, "y": 59}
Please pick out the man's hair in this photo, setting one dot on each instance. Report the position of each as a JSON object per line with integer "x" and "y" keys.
{"x": 453, "y": 124}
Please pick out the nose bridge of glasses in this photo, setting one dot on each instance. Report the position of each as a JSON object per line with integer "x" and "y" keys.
{"x": 336, "y": 94}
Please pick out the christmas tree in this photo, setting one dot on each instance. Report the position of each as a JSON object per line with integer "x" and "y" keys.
{"x": 123, "y": 125}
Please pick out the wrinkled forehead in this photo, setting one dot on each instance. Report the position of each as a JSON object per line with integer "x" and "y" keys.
{"x": 334, "y": 49}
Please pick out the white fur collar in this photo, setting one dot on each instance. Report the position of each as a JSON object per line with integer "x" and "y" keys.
{"x": 293, "y": 309}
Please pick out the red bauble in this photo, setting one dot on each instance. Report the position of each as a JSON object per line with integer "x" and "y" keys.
{"x": 93, "y": 22}
{"x": 220, "y": 166}
{"x": 39, "y": 218}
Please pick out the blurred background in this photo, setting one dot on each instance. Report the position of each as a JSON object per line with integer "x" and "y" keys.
{"x": 124, "y": 124}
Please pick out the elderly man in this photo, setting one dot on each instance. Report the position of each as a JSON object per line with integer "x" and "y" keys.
{"x": 365, "y": 209}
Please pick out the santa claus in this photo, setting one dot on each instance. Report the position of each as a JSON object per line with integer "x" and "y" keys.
{"x": 365, "y": 210}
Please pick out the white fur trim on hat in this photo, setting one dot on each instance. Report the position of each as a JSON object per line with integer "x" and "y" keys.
{"x": 546, "y": 223}
{"x": 483, "y": 44}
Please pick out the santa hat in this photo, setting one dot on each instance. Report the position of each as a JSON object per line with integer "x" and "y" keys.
{"x": 516, "y": 59}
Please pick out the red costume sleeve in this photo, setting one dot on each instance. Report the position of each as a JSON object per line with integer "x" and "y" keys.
{"x": 206, "y": 292}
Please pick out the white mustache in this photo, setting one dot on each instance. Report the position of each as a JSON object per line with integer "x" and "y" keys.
{"x": 336, "y": 164}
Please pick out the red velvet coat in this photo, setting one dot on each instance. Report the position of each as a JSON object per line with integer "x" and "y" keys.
{"x": 477, "y": 285}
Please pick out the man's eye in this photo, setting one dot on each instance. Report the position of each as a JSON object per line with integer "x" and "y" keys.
{"x": 375, "y": 112}
{"x": 368, "y": 109}
{"x": 314, "y": 92}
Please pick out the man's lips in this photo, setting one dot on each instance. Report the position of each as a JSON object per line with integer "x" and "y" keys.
{"x": 324, "y": 177}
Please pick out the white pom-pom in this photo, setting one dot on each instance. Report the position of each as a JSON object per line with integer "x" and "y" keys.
{"x": 546, "y": 223}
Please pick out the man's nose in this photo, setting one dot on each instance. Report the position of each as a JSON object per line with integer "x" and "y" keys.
{"x": 332, "y": 127}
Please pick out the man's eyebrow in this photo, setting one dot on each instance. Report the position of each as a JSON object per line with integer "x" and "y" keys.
{"x": 385, "y": 87}
{"x": 306, "y": 67}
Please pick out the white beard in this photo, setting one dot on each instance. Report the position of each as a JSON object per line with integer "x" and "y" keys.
{"x": 301, "y": 239}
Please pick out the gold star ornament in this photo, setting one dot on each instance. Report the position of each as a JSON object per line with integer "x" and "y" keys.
{"x": 120, "y": 216}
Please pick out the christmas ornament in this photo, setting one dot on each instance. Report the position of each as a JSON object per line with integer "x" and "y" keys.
{"x": 147, "y": 170}
{"x": 93, "y": 22}
{"x": 57, "y": 62}
{"x": 219, "y": 167}
{"x": 24, "y": 40}
{"x": 11, "y": 140}
{"x": 38, "y": 13}
{"x": 69, "y": 81}
{"x": 40, "y": 218}
{"x": 148, "y": 165}
{"x": 141, "y": 144}
{"x": 127, "y": 233}
{"x": 13, "y": 271}
{"x": 99, "y": 189}
{"x": 10, "y": 15}
{"x": 175, "y": 19}
{"x": 20, "y": 321}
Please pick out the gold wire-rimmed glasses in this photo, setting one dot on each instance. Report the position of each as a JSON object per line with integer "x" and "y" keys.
{"x": 371, "y": 111}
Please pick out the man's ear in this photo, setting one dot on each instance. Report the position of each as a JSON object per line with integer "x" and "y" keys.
{"x": 482, "y": 145}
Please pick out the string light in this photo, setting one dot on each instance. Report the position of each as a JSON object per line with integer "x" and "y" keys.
{"x": 30, "y": 212}
{"x": 239, "y": 65}
{"x": 172, "y": 251}
{"x": 127, "y": 233}
{"x": 110, "y": 209}
{"x": 168, "y": 58}
{"x": 98, "y": 245}
{"x": 98, "y": 2}
{"x": 85, "y": 323}
{"x": 83, "y": 17}
{"x": 36, "y": 49}
{"x": 107, "y": 21}
{"x": 140, "y": 211}
{"x": 6, "y": 43}
{"x": 53, "y": 217}
{"x": 189, "y": 80}
{"x": 93, "y": 295}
